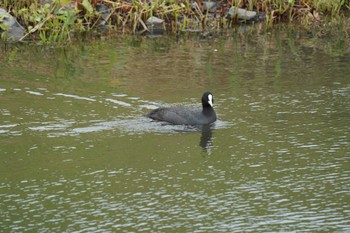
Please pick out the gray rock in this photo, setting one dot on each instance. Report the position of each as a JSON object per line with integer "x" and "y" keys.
{"x": 154, "y": 20}
{"x": 209, "y": 5}
{"x": 14, "y": 31}
{"x": 104, "y": 11}
{"x": 155, "y": 25}
{"x": 241, "y": 13}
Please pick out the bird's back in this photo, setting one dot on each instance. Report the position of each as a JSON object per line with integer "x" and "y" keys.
{"x": 180, "y": 115}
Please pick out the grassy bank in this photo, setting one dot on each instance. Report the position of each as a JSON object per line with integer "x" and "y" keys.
{"x": 59, "y": 21}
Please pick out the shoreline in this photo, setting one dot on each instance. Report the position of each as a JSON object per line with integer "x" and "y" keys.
{"x": 60, "y": 22}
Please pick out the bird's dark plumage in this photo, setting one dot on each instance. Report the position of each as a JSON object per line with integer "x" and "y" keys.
{"x": 179, "y": 115}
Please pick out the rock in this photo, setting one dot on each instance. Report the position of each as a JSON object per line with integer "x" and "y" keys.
{"x": 154, "y": 20}
{"x": 241, "y": 13}
{"x": 209, "y": 5}
{"x": 14, "y": 31}
{"x": 104, "y": 11}
{"x": 155, "y": 25}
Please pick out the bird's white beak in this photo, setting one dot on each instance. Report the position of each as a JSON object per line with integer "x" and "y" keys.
{"x": 210, "y": 100}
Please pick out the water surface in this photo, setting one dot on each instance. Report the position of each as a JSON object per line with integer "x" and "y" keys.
{"x": 78, "y": 155}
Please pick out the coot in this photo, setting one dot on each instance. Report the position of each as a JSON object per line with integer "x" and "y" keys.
{"x": 180, "y": 115}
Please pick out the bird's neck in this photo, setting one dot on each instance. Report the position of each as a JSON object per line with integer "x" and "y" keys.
{"x": 207, "y": 110}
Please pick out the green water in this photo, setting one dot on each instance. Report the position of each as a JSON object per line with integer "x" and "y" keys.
{"x": 77, "y": 155}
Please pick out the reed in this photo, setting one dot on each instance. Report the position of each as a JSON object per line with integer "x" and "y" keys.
{"x": 60, "y": 20}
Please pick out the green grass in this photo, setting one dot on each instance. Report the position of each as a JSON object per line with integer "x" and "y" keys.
{"x": 60, "y": 21}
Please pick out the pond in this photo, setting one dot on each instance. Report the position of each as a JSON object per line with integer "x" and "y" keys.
{"x": 78, "y": 155}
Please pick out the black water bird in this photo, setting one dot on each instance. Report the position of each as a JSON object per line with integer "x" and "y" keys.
{"x": 180, "y": 115}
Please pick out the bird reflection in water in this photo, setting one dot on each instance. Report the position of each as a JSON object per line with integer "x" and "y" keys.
{"x": 206, "y": 141}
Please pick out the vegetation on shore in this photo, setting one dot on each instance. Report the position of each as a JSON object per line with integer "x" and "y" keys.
{"x": 58, "y": 21}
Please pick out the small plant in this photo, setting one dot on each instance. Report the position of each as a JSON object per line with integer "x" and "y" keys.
{"x": 59, "y": 21}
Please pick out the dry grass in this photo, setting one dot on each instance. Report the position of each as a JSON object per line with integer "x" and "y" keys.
{"x": 61, "y": 20}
